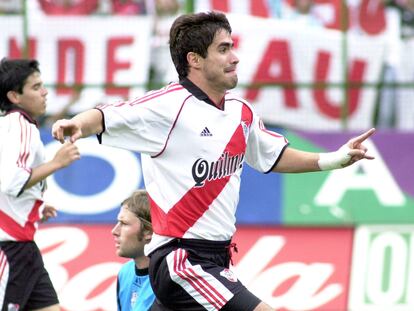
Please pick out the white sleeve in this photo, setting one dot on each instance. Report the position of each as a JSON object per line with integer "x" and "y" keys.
{"x": 264, "y": 147}
{"x": 15, "y": 154}
{"x": 142, "y": 127}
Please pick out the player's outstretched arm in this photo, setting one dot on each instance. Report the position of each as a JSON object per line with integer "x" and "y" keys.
{"x": 297, "y": 161}
{"x": 82, "y": 125}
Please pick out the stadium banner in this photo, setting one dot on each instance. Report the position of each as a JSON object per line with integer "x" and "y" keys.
{"x": 75, "y": 50}
{"x": 285, "y": 52}
{"x": 378, "y": 191}
{"x": 82, "y": 264}
{"x": 368, "y": 192}
{"x": 98, "y": 51}
{"x": 279, "y": 265}
{"x": 382, "y": 277}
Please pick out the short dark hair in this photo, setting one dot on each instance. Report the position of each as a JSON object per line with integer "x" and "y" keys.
{"x": 13, "y": 77}
{"x": 194, "y": 33}
{"x": 138, "y": 204}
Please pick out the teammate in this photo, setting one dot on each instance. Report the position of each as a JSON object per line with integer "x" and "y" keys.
{"x": 24, "y": 282}
{"x": 194, "y": 137}
{"x": 132, "y": 232}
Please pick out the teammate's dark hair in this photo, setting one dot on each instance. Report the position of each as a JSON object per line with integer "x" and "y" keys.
{"x": 138, "y": 203}
{"x": 13, "y": 77}
{"x": 194, "y": 33}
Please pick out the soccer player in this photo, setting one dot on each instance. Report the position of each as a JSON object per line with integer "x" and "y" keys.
{"x": 195, "y": 137}
{"x": 132, "y": 232}
{"x": 24, "y": 281}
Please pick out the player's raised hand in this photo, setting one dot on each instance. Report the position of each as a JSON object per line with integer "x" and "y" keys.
{"x": 348, "y": 154}
{"x": 357, "y": 150}
{"x": 63, "y": 128}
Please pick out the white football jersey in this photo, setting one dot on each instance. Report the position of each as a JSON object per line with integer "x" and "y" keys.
{"x": 192, "y": 156}
{"x": 20, "y": 149}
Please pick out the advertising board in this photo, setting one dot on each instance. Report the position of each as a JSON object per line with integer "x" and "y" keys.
{"x": 277, "y": 264}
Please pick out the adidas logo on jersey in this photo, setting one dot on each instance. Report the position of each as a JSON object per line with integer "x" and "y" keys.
{"x": 206, "y": 132}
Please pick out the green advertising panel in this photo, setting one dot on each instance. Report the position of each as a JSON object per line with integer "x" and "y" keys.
{"x": 382, "y": 276}
{"x": 374, "y": 192}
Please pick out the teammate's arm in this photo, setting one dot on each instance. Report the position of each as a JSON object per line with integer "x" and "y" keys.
{"x": 82, "y": 125}
{"x": 297, "y": 161}
{"x": 63, "y": 157}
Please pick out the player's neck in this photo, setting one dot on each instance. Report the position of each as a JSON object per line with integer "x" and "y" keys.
{"x": 142, "y": 262}
{"x": 215, "y": 95}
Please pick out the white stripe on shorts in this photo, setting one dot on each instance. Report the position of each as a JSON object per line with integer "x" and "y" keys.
{"x": 202, "y": 286}
{"x": 4, "y": 276}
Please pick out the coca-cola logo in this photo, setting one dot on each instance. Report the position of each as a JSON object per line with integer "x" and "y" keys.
{"x": 310, "y": 281}
{"x": 278, "y": 265}
{"x": 82, "y": 264}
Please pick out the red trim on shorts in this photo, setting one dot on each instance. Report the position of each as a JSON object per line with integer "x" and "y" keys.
{"x": 3, "y": 263}
{"x": 196, "y": 281}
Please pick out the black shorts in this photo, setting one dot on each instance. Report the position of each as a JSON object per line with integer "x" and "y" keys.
{"x": 24, "y": 281}
{"x": 189, "y": 274}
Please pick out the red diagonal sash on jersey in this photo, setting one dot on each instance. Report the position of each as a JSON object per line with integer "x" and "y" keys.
{"x": 12, "y": 228}
{"x": 184, "y": 214}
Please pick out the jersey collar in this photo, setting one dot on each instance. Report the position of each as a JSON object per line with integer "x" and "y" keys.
{"x": 197, "y": 92}
{"x": 25, "y": 114}
{"x": 141, "y": 272}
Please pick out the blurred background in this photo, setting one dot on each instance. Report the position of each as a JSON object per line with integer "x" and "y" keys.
{"x": 317, "y": 71}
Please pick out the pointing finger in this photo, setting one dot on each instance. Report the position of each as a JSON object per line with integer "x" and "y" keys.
{"x": 359, "y": 139}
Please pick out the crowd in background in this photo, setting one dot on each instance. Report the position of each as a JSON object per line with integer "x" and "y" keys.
{"x": 399, "y": 35}
{"x": 88, "y": 7}
{"x": 392, "y": 100}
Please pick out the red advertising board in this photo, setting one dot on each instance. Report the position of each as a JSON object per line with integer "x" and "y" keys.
{"x": 82, "y": 264}
{"x": 296, "y": 268}
{"x": 289, "y": 268}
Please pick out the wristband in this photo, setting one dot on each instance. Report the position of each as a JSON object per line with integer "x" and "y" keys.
{"x": 334, "y": 160}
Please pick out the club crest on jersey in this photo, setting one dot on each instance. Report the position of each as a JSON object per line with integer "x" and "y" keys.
{"x": 203, "y": 170}
{"x": 13, "y": 307}
{"x": 245, "y": 130}
{"x": 134, "y": 298}
{"x": 229, "y": 275}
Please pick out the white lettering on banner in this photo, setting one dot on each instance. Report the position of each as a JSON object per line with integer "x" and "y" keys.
{"x": 128, "y": 176}
{"x": 389, "y": 251}
{"x": 77, "y": 290}
{"x": 67, "y": 244}
{"x": 310, "y": 284}
{"x": 364, "y": 175}
{"x": 80, "y": 287}
{"x": 383, "y": 269}
{"x": 248, "y": 267}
